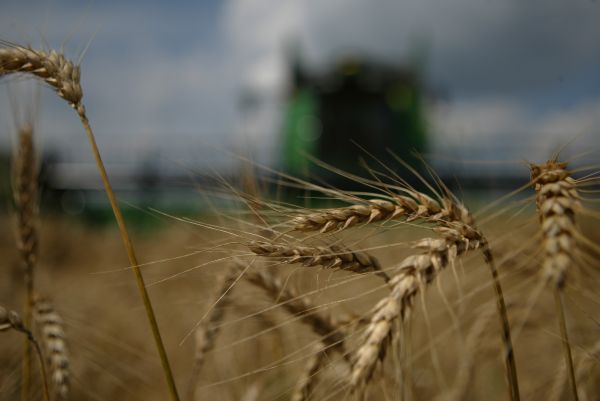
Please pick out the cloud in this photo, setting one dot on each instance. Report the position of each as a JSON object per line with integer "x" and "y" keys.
{"x": 505, "y": 131}
{"x": 512, "y": 69}
{"x": 172, "y": 77}
{"x": 142, "y": 90}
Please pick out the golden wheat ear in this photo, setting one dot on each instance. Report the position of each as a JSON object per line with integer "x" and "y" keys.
{"x": 329, "y": 257}
{"x": 412, "y": 206}
{"x": 413, "y": 272}
{"x": 557, "y": 202}
{"x": 52, "y": 67}
{"x": 64, "y": 76}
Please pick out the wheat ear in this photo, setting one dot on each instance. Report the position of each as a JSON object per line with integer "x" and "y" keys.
{"x": 10, "y": 320}
{"x": 414, "y": 271}
{"x": 54, "y": 343}
{"x": 64, "y": 77}
{"x": 206, "y": 333}
{"x": 329, "y": 257}
{"x": 322, "y": 324}
{"x": 557, "y": 202}
{"x": 415, "y": 206}
{"x": 25, "y": 195}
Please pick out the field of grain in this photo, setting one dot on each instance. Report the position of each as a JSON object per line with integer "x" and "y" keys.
{"x": 394, "y": 293}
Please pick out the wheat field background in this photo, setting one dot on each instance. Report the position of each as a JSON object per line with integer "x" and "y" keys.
{"x": 261, "y": 350}
{"x": 286, "y": 288}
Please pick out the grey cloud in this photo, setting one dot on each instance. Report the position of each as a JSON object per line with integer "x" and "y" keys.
{"x": 160, "y": 74}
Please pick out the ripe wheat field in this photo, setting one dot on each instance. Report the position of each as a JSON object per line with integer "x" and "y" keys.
{"x": 392, "y": 293}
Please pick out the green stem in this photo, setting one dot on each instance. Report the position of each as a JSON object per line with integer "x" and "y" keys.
{"x": 131, "y": 255}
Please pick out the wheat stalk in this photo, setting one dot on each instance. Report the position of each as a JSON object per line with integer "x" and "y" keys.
{"x": 329, "y": 257}
{"x": 64, "y": 77}
{"x": 557, "y": 203}
{"x": 25, "y": 195}
{"x": 11, "y": 320}
{"x": 54, "y": 343}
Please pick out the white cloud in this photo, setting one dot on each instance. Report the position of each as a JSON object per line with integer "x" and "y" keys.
{"x": 501, "y": 130}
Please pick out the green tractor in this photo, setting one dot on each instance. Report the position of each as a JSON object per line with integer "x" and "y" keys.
{"x": 357, "y": 109}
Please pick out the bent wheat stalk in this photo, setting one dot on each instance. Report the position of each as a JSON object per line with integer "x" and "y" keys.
{"x": 11, "y": 320}
{"x": 557, "y": 201}
{"x": 63, "y": 76}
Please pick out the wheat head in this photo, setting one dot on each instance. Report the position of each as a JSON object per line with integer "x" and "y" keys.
{"x": 54, "y": 343}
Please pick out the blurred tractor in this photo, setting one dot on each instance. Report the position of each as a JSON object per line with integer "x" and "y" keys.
{"x": 357, "y": 109}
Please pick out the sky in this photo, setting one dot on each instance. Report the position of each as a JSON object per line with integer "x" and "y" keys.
{"x": 509, "y": 80}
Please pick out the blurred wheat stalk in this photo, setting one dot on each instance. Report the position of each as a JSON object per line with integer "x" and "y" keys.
{"x": 64, "y": 77}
